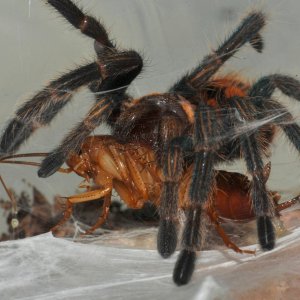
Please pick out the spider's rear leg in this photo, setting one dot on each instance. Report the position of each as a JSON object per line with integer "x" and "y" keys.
{"x": 263, "y": 90}
{"x": 170, "y": 128}
{"x": 266, "y": 86}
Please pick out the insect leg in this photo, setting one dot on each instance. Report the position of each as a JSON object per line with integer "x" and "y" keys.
{"x": 104, "y": 215}
{"x": 287, "y": 204}
{"x": 80, "y": 198}
{"x": 214, "y": 219}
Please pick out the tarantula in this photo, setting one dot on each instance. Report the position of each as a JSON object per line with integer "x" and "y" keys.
{"x": 202, "y": 120}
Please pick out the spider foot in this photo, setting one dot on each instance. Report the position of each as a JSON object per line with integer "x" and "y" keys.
{"x": 266, "y": 234}
{"x": 257, "y": 43}
{"x": 184, "y": 267}
{"x": 166, "y": 238}
{"x": 13, "y": 136}
{"x": 51, "y": 164}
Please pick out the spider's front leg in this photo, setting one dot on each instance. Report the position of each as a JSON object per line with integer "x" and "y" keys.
{"x": 118, "y": 69}
{"x": 72, "y": 142}
{"x": 44, "y": 106}
{"x": 172, "y": 167}
{"x": 40, "y": 110}
{"x": 205, "y": 143}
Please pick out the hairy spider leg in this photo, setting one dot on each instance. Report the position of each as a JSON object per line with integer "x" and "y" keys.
{"x": 251, "y": 150}
{"x": 168, "y": 209}
{"x": 113, "y": 70}
{"x": 260, "y": 94}
{"x": 86, "y": 24}
{"x": 173, "y": 143}
{"x": 201, "y": 191}
{"x": 72, "y": 142}
{"x": 247, "y": 31}
{"x": 42, "y": 108}
{"x": 117, "y": 68}
{"x": 263, "y": 89}
{"x": 214, "y": 208}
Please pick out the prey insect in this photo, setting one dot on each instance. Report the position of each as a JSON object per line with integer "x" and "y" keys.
{"x": 202, "y": 120}
{"x": 131, "y": 169}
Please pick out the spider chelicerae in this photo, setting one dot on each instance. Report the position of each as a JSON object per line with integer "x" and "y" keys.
{"x": 203, "y": 120}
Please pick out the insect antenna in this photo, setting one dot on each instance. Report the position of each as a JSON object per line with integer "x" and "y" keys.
{"x": 15, "y": 219}
{"x": 10, "y": 159}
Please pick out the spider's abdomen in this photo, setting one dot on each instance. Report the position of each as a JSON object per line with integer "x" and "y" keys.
{"x": 218, "y": 90}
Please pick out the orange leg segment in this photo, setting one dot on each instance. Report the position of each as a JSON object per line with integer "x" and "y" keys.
{"x": 214, "y": 218}
{"x": 84, "y": 197}
{"x": 103, "y": 217}
{"x": 67, "y": 215}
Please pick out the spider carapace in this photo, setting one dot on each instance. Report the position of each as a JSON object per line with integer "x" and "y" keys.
{"x": 202, "y": 120}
